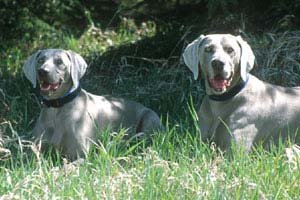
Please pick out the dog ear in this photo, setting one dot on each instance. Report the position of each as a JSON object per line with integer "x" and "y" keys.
{"x": 191, "y": 55}
{"x": 247, "y": 58}
{"x": 29, "y": 68}
{"x": 78, "y": 67}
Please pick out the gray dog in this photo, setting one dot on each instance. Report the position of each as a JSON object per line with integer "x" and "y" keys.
{"x": 71, "y": 117}
{"x": 238, "y": 107}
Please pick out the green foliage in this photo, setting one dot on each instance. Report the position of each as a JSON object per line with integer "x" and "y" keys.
{"x": 97, "y": 40}
{"x": 215, "y": 6}
{"x": 19, "y": 17}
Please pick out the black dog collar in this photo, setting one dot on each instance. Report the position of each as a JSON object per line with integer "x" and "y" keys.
{"x": 231, "y": 93}
{"x": 56, "y": 103}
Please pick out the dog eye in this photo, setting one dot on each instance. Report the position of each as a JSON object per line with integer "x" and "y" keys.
{"x": 58, "y": 61}
{"x": 229, "y": 50}
{"x": 208, "y": 49}
{"x": 41, "y": 60}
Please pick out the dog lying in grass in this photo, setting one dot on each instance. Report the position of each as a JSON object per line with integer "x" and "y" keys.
{"x": 238, "y": 107}
{"x": 71, "y": 117}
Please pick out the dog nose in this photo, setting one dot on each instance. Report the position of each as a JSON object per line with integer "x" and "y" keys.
{"x": 43, "y": 73}
{"x": 217, "y": 65}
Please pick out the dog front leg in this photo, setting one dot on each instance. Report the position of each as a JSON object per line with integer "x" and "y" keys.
{"x": 56, "y": 139}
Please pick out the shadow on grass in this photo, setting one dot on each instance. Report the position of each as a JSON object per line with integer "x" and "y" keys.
{"x": 149, "y": 71}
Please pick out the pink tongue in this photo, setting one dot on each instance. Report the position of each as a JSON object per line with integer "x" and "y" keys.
{"x": 48, "y": 86}
{"x": 218, "y": 83}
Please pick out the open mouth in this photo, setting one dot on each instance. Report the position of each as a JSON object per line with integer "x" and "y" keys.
{"x": 47, "y": 87}
{"x": 220, "y": 84}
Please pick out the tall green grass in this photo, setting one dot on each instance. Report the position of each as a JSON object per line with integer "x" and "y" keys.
{"x": 176, "y": 166}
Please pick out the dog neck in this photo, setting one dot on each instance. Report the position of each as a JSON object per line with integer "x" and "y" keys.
{"x": 231, "y": 93}
{"x": 59, "y": 102}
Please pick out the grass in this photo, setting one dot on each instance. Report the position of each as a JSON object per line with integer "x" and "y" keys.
{"x": 176, "y": 165}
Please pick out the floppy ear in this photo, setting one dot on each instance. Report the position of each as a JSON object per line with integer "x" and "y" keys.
{"x": 29, "y": 68}
{"x": 247, "y": 57}
{"x": 78, "y": 67}
{"x": 191, "y": 55}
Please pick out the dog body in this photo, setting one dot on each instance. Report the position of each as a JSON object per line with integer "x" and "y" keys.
{"x": 239, "y": 107}
{"x": 73, "y": 126}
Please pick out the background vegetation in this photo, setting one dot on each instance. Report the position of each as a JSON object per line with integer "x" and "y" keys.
{"x": 133, "y": 49}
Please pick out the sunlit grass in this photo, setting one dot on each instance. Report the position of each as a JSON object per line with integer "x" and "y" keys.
{"x": 176, "y": 166}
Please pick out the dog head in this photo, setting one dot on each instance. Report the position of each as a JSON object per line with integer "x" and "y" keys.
{"x": 222, "y": 59}
{"x": 55, "y": 70}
